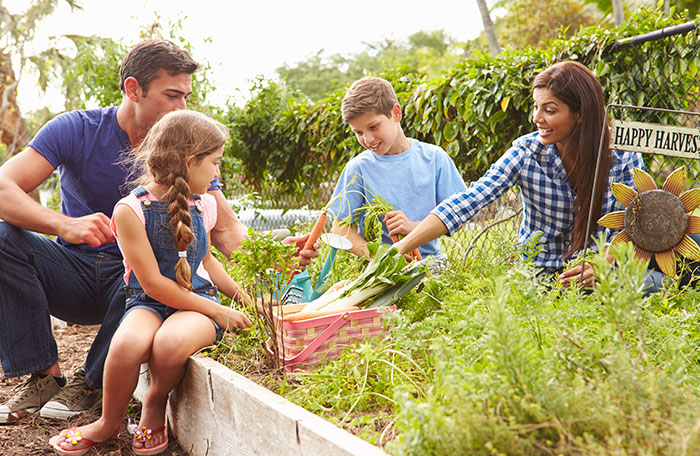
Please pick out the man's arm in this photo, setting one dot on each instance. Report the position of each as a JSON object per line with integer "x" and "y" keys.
{"x": 228, "y": 232}
{"x": 23, "y": 173}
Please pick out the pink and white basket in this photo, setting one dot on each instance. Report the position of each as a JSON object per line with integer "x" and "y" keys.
{"x": 307, "y": 343}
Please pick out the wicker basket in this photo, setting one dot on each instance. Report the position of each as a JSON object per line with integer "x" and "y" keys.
{"x": 307, "y": 343}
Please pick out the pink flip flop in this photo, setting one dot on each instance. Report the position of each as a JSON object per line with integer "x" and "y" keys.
{"x": 144, "y": 434}
{"x": 74, "y": 437}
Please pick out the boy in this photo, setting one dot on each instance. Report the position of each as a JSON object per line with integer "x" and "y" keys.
{"x": 410, "y": 175}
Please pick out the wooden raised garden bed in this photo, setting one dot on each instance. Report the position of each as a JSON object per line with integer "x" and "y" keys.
{"x": 215, "y": 411}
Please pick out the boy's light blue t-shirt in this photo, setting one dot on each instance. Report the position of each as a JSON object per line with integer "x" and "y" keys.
{"x": 414, "y": 181}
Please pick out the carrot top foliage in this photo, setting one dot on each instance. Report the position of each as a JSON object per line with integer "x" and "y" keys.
{"x": 487, "y": 358}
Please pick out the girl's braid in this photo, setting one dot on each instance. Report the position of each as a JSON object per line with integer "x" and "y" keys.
{"x": 178, "y": 196}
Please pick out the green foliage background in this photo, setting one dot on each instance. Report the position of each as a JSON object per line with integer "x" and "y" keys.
{"x": 473, "y": 111}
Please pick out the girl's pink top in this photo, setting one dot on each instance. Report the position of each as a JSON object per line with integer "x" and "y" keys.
{"x": 208, "y": 204}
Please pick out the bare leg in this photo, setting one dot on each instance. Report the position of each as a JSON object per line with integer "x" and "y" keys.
{"x": 130, "y": 346}
{"x": 181, "y": 335}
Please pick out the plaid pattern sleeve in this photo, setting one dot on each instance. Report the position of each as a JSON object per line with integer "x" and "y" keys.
{"x": 459, "y": 208}
{"x": 548, "y": 199}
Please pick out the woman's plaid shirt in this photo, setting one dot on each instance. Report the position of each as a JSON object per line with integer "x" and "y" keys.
{"x": 548, "y": 199}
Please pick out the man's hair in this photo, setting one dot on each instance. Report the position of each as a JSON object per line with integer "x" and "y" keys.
{"x": 148, "y": 57}
{"x": 368, "y": 95}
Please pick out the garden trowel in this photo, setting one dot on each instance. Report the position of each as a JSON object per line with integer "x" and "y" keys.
{"x": 300, "y": 288}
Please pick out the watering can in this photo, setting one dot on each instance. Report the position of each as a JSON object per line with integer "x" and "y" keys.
{"x": 300, "y": 288}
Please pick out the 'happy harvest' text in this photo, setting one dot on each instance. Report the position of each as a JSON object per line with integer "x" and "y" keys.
{"x": 655, "y": 138}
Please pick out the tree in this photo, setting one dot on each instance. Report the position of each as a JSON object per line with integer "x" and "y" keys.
{"x": 618, "y": 12}
{"x": 318, "y": 74}
{"x": 489, "y": 29}
{"x": 16, "y": 30}
{"x": 534, "y": 22}
{"x": 424, "y": 53}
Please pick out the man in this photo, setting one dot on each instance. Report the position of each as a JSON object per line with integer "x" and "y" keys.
{"x": 78, "y": 278}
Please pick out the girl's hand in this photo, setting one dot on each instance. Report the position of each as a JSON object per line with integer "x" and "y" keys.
{"x": 574, "y": 274}
{"x": 397, "y": 223}
{"x": 229, "y": 318}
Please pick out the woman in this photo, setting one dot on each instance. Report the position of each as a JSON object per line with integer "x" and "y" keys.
{"x": 555, "y": 170}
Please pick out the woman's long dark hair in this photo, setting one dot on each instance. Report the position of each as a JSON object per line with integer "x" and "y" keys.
{"x": 579, "y": 89}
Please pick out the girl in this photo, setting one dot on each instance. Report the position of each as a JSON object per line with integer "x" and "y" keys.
{"x": 554, "y": 168}
{"x": 172, "y": 307}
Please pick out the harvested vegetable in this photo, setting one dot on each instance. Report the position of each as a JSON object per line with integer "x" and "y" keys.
{"x": 372, "y": 211}
{"x": 386, "y": 270}
{"x": 317, "y": 230}
{"x": 372, "y": 232}
{"x": 296, "y": 316}
{"x": 314, "y": 236}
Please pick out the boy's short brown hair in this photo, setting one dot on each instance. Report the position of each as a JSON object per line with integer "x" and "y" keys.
{"x": 368, "y": 95}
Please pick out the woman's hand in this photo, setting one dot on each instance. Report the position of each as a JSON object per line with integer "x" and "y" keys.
{"x": 228, "y": 318}
{"x": 568, "y": 277}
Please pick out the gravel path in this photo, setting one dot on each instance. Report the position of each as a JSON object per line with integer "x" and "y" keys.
{"x": 30, "y": 436}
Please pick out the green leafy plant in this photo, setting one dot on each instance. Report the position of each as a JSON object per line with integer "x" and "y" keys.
{"x": 261, "y": 266}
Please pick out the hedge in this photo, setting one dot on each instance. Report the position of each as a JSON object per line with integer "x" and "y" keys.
{"x": 474, "y": 111}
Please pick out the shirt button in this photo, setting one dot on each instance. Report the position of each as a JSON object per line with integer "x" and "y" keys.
{"x": 567, "y": 243}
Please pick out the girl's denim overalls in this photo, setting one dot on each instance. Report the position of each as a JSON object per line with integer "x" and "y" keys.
{"x": 161, "y": 236}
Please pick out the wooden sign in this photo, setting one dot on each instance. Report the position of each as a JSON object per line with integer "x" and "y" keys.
{"x": 655, "y": 139}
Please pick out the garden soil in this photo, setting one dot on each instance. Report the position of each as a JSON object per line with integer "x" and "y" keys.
{"x": 30, "y": 436}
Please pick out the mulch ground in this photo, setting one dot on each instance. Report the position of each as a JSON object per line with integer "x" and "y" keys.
{"x": 30, "y": 435}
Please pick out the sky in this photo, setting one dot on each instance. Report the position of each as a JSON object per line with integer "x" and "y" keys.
{"x": 243, "y": 39}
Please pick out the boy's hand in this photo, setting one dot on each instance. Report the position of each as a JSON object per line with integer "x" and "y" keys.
{"x": 397, "y": 223}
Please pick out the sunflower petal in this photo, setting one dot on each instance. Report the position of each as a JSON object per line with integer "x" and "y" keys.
{"x": 675, "y": 181}
{"x": 693, "y": 224}
{"x": 667, "y": 262}
{"x": 641, "y": 253}
{"x": 620, "y": 238}
{"x": 613, "y": 220}
{"x": 623, "y": 193}
{"x": 643, "y": 181}
{"x": 691, "y": 199}
{"x": 689, "y": 249}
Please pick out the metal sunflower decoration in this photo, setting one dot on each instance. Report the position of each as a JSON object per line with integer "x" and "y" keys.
{"x": 656, "y": 221}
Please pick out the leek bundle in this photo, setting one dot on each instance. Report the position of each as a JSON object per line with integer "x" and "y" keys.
{"x": 387, "y": 274}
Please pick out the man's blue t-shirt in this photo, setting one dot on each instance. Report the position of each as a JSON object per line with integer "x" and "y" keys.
{"x": 88, "y": 147}
{"x": 414, "y": 181}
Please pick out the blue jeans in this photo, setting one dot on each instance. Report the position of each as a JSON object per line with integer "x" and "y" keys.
{"x": 38, "y": 278}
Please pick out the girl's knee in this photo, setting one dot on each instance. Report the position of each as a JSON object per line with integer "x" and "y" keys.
{"x": 179, "y": 345}
{"x": 130, "y": 346}
{"x": 172, "y": 345}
